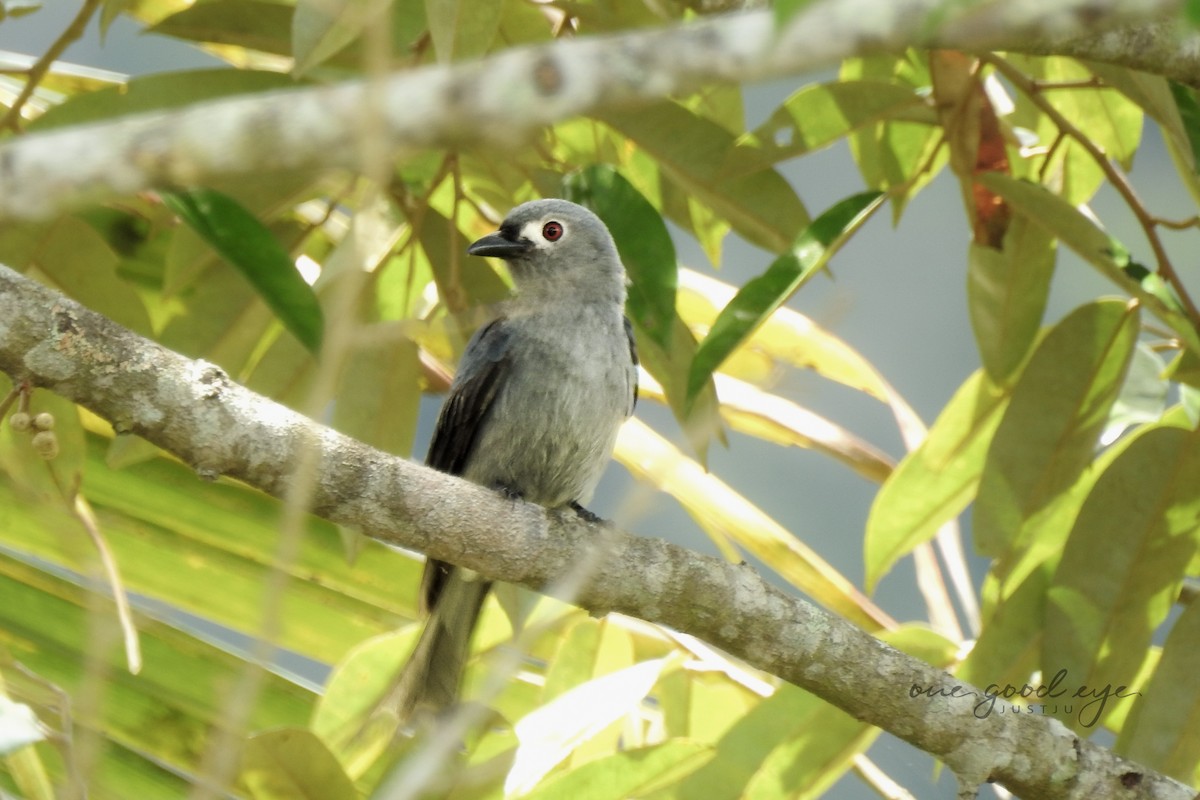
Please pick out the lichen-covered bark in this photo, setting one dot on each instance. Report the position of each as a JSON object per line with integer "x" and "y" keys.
{"x": 502, "y": 98}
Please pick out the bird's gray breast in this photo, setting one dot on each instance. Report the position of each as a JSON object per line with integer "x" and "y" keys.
{"x": 551, "y": 430}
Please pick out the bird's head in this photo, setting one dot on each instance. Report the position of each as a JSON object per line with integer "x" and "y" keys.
{"x": 557, "y": 246}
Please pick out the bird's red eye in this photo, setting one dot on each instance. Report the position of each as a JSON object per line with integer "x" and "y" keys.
{"x": 553, "y": 231}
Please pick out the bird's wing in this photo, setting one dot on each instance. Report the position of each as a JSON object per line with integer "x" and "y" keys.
{"x": 633, "y": 355}
{"x": 480, "y": 376}
{"x": 475, "y": 387}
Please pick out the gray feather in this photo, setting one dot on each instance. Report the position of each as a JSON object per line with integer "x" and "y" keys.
{"x": 534, "y": 409}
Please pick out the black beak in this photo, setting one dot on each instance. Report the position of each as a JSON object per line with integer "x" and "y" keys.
{"x": 500, "y": 246}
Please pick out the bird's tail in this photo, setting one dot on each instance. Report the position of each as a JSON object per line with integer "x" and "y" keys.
{"x": 431, "y": 678}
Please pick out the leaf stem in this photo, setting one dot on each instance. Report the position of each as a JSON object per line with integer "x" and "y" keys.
{"x": 39, "y": 69}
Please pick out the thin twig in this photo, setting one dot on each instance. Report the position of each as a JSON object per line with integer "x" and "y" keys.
{"x": 38, "y": 71}
{"x": 1177, "y": 224}
{"x": 1083, "y": 83}
{"x": 133, "y": 652}
{"x": 877, "y": 779}
{"x": 1050, "y": 151}
{"x": 8, "y": 400}
{"x": 1115, "y": 176}
{"x": 931, "y": 583}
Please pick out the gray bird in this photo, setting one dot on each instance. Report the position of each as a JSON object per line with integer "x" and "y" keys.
{"x": 533, "y": 411}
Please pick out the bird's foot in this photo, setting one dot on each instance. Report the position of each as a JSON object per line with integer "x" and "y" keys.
{"x": 584, "y": 514}
{"x": 508, "y": 492}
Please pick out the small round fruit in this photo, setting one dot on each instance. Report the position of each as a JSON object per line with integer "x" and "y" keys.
{"x": 45, "y": 443}
{"x": 20, "y": 421}
{"x": 44, "y": 421}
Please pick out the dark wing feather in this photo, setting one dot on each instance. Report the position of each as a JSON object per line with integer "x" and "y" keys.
{"x": 470, "y": 399}
{"x": 634, "y": 356}
{"x": 460, "y": 421}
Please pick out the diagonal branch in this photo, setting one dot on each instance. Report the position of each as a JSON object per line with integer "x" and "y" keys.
{"x": 193, "y": 410}
{"x": 502, "y": 99}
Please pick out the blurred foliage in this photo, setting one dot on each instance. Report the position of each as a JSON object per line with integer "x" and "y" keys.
{"x": 1085, "y": 481}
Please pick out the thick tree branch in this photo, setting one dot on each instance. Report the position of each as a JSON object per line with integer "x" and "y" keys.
{"x": 1163, "y": 47}
{"x": 193, "y": 410}
{"x": 499, "y": 100}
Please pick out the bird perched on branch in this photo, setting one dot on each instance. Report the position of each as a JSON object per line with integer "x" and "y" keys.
{"x": 533, "y": 411}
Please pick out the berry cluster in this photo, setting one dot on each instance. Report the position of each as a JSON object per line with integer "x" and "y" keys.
{"x": 45, "y": 442}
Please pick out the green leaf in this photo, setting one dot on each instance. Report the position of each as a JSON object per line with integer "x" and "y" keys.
{"x": 1143, "y": 396}
{"x": 589, "y": 650}
{"x": 1006, "y": 294}
{"x": 818, "y": 115}
{"x": 522, "y": 23}
{"x": 815, "y": 757}
{"x": 175, "y": 537}
{"x": 76, "y": 258}
{"x": 462, "y": 29}
{"x": 937, "y": 480}
{"x": 1163, "y": 728}
{"x": 701, "y": 706}
{"x": 615, "y": 15}
{"x": 1111, "y": 121}
{"x": 151, "y": 723}
{"x": 223, "y": 320}
{"x": 159, "y": 92}
{"x": 18, "y": 8}
{"x": 271, "y": 197}
{"x": 380, "y": 395}
{"x": 293, "y": 764}
{"x": 892, "y": 152}
{"x": 1075, "y": 230}
{"x": 761, "y": 296}
{"x": 786, "y": 9}
{"x": 355, "y": 687}
{"x": 260, "y": 25}
{"x": 733, "y": 522}
{"x": 109, "y": 11}
{"x": 786, "y": 337}
{"x": 703, "y": 158}
{"x": 1124, "y": 561}
{"x": 724, "y": 104}
{"x": 331, "y": 31}
{"x": 629, "y": 773}
{"x": 755, "y": 749}
{"x": 245, "y": 243}
{"x": 1189, "y": 115}
{"x": 1152, "y": 93}
{"x": 320, "y": 28}
{"x": 553, "y": 731}
{"x": 1008, "y": 647}
{"x": 1049, "y": 432}
{"x": 821, "y": 752}
{"x": 642, "y": 240}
